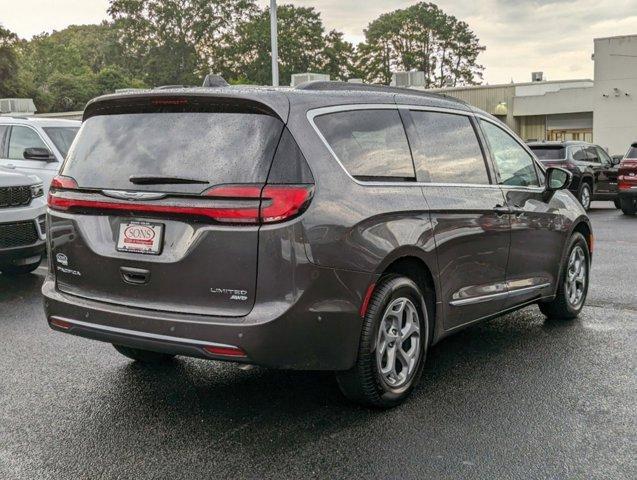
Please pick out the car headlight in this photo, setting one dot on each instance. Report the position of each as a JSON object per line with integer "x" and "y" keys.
{"x": 37, "y": 190}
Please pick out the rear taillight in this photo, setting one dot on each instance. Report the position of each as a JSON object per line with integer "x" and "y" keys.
{"x": 277, "y": 202}
{"x": 61, "y": 182}
{"x": 242, "y": 204}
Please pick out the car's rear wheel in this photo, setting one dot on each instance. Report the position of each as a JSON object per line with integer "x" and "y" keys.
{"x": 573, "y": 286}
{"x": 392, "y": 348}
{"x": 143, "y": 356}
{"x": 629, "y": 206}
{"x": 585, "y": 195}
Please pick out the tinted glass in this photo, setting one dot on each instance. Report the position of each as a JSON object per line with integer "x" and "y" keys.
{"x": 371, "y": 144}
{"x": 514, "y": 164}
{"x": 215, "y": 147}
{"x": 62, "y": 137}
{"x": 603, "y": 156}
{"x": 549, "y": 153}
{"x": 591, "y": 152}
{"x": 579, "y": 153}
{"x": 21, "y": 138}
{"x": 448, "y": 150}
{"x": 632, "y": 152}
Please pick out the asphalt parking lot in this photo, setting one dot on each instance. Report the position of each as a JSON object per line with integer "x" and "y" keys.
{"x": 517, "y": 397}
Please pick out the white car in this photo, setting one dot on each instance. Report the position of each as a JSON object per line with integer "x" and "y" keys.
{"x": 22, "y": 222}
{"x": 36, "y": 146}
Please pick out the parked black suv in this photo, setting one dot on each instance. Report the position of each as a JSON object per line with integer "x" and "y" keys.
{"x": 594, "y": 171}
{"x": 327, "y": 227}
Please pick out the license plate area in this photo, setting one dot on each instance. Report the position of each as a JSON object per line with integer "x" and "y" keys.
{"x": 140, "y": 237}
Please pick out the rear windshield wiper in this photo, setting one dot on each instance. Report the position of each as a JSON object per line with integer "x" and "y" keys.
{"x": 162, "y": 180}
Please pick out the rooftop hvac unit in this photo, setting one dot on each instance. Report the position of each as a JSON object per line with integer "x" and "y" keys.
{"x": 537, "y": 76}
{"x": 416, "y": 79}
{"x": 299, "y": 78}
{"x": 400, "y": 79}
{"x": 17, "y": 106}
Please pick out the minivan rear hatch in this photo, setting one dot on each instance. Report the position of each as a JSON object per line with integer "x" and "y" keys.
{"x": 158, "y": 204}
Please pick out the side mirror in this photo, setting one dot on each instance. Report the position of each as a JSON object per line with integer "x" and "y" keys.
{"x": 37, "y": 153}
{"x": 616, "y": 159}
{"x": 557, "y": 178}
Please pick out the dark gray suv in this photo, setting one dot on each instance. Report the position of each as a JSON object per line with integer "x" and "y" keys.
{"x": 328, "y": 227}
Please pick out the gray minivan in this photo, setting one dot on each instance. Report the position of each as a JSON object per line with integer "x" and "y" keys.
{"x": 326, "y": 227}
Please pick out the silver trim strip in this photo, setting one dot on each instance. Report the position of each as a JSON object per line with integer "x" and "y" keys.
{"x": 136, "y": 333}
{"x": 495, "y": 296}
{"x": 482, "y": 298}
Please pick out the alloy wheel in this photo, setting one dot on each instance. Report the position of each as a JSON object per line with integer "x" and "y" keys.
{"x": 576, "y": 277}
{"x": 585, "y": 197}
{"x": 398, "y": 343}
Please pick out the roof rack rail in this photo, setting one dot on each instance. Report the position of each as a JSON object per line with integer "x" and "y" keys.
{"x": 168, "y": 87}
{"x": 321, "y": 85}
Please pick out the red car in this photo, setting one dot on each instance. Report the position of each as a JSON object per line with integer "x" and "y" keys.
{"x": 627, "y": 181}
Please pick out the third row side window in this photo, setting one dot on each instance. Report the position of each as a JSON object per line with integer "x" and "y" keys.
{"x": 371, "y": 144}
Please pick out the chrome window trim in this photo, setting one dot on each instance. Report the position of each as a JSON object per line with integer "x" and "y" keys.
{"x": 494, "y": 296}
{"x": 312, "y": 114}
{"x": 136, "y": 333}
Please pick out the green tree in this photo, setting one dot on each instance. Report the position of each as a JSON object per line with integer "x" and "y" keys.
{"x": 9, "y": 84}
{"x": 177, "y": 41}
{"x": 303, "y": 47}
{"x": 421, "y": 37}
{"x": 65, "y": 69}
{"x": 338, "y": 57}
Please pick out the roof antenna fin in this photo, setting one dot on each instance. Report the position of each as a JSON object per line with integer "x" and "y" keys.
{"x": 213, "y": 81}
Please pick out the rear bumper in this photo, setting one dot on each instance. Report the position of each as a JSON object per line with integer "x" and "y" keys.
{"x": 320, "y": 331}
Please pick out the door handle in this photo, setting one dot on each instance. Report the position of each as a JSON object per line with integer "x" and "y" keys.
{"x": 9, "y": 165}
{"x": 501, "y": 210}
{"x": 135, "y": 276}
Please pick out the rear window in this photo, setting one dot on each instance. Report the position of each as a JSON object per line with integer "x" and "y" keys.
{"x": 549, "y": 153}
{"x": 62, "y": 137}
{"x": 371, "y": 144}
{"x": 448, "y": 150}
{"x": 632, "y": 152}
{"x": 218, "y": 148}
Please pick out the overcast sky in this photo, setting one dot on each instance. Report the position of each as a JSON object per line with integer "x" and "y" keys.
{"x": 554, "y": 36}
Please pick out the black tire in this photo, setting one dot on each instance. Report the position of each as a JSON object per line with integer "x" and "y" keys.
{"x": 364, "y": 383}
{"x": 585, "y": 195}
{"x": 628, "y": 206}
{"x": 561, "y": 307}
{"x": 617, "y": 203}
{"x": 143, "y": 356}
{"x": 20, "y": 269}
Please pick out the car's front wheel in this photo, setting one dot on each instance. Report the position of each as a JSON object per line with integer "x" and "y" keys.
{"x": 143, "y": 356}
{"x": 573, "y": 286}
{"x": 393, "y": 345}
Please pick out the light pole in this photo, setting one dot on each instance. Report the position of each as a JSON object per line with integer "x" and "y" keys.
{"x": 274, "y": 42}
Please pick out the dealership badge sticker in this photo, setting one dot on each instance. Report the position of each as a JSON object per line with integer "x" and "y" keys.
{"x": 140, "y": 237}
